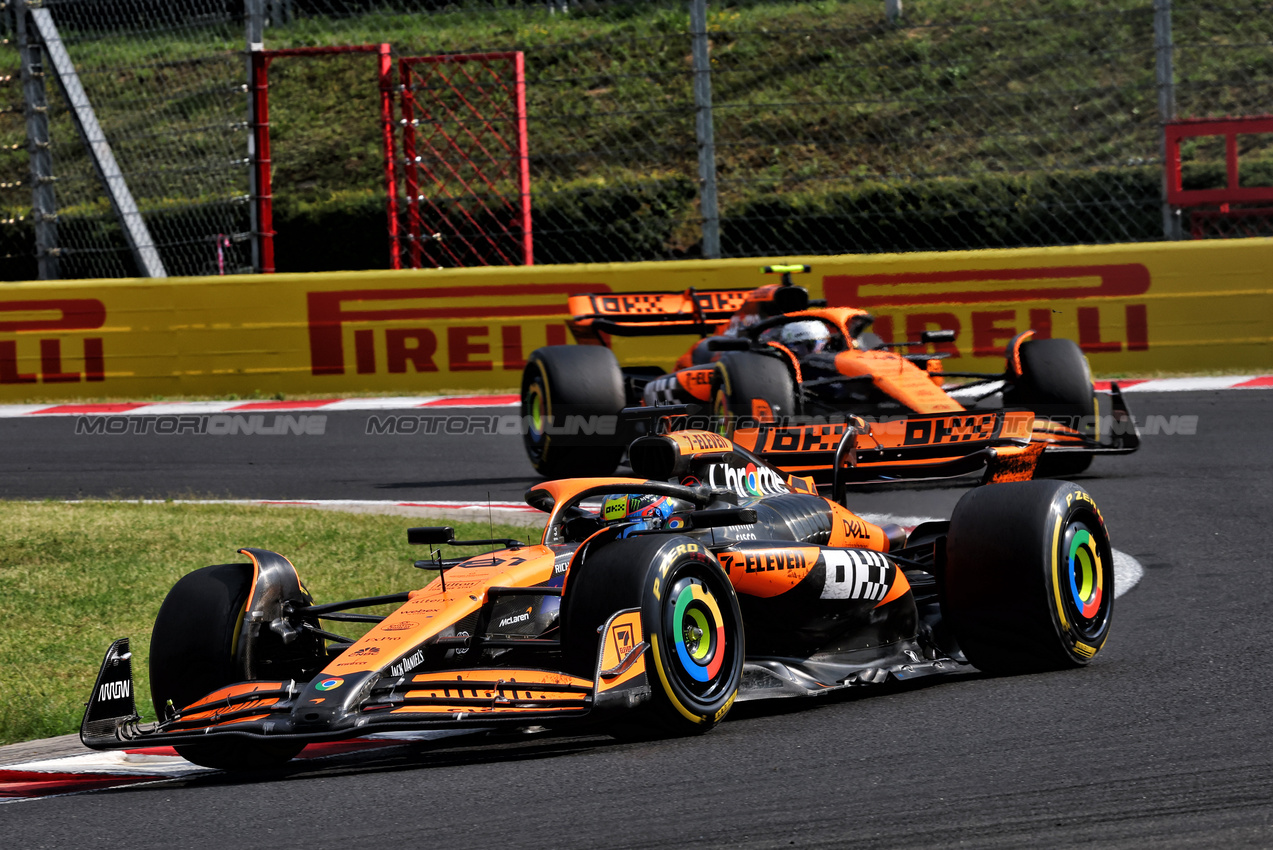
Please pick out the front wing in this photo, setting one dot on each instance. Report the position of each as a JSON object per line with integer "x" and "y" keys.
{"x": 368, "y": 703}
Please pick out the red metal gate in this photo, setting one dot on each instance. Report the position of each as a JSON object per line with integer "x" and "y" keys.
{"x": 466, "y": 161}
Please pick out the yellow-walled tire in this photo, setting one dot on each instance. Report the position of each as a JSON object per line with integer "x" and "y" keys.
{"x": 689, "y": 616}
{"x": 564, "y": 386}
{"x": 1029, "y": 577}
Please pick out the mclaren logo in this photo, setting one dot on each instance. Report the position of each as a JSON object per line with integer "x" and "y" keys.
{"x": 514, "y": 619}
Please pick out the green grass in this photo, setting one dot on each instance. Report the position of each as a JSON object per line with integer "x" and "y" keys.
{"x": 74, "y": 577}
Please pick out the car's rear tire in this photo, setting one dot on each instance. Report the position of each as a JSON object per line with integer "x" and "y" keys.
{"x": 570, "y": 384}
{"x": 689, "y": 616}
{"x": 1056, "y": 383}
{"x": 744, "y": 378}
{"x": 1029, "y": 577}
{"x": 193, "y": 652}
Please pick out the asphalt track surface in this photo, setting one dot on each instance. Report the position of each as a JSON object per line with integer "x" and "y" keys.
{"x": 1164, "y": 740}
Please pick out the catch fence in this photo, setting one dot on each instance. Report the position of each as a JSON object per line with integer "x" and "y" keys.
{"x": 656, "y": 129}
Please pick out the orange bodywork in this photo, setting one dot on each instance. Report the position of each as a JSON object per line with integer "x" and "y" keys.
{"x": 432, "y": 609}
{"x": 899, "y": 378}
{"x": 478, "y": 691}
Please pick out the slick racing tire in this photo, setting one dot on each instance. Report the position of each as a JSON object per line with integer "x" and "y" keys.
{"x": 1029, "y": 577}
{"x": 690, "y": 619}
{"x": 193, "y": 652}
{"x": 1056, "y": 383}
{"x": 744, "y": 378}
{"x": 565, "y": 386}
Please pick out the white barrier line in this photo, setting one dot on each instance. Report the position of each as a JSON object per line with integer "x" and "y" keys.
{"x": 494, "y": 400}
{"x": 244, "y": 408}
{"x": 337, "y": 504}
{"x": 1127, "y": 570}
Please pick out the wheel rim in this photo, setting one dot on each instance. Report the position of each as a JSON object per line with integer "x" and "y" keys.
{"x": 695, "y": 623}
{"x": 535, "y": 417}
{"x": 1088, "y": 593}
{"x": 535, "y": 412}
{"x": 721, "y": 414}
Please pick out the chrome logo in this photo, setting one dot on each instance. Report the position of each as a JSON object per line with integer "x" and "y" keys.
{"x": 330, "y": 684}
{"x": 752, "y": 480}
{"x": 1086, "y": 580}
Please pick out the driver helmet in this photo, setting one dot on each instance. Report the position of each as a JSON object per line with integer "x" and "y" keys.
{"x": 805, "y": 337}
{"x": 647, "y": 511}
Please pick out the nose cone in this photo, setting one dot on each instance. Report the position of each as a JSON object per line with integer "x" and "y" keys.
{"x": 332, "y": 702}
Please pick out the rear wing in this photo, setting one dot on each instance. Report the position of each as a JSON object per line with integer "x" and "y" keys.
{"x": 692, "y": 311}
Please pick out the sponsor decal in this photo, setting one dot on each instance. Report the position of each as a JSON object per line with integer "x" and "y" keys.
{"x": 624, "y": 643}
{"x": 121, "y": 689}
{"x": 514, "y": 619}
{"x": 400, "y": 626}
{"x": 856, "y": 574}
{"x": 803, "y": 438}
{"x": 651, "y": 303}
{"x": 482, "y": 346}
{"x": 855, "y": 529}
{"x": 366, "y": 650}
{"x": 407, "y": 664}
{"x": 764, "y": 561}
{"x": 463, "y": 649}
{"x": 999, "y": 289}
{"x": 751, "y": 480}
{"x": 33, "y": 316}
{"x": 615, "y": 507}
{"x": 330, "y": 684}
{"x": 703, "y": 441}
{"x": 950, "y": 429}
{"x": 675, "y": 523}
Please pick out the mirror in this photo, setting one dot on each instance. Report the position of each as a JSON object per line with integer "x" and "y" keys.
{"x": 726, "y": 343}
{"x": 430, "y": 534}
{"x": 937, "y": 336}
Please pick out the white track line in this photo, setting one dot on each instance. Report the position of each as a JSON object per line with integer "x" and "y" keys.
{"x": 173, "y": 408}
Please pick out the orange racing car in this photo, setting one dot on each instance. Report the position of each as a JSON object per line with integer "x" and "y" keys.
{"x": 648, "y": 606}
{"x": 769, "y": 354}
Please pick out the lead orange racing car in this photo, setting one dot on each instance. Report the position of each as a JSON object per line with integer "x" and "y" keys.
{"x": 649, "y": 606}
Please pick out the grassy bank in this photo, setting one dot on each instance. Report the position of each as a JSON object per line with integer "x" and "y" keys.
{"x": 73, "y": 577}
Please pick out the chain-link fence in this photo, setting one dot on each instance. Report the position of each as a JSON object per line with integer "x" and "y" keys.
{"x": 165, "y": 81}
{"x": 657, "y": 130}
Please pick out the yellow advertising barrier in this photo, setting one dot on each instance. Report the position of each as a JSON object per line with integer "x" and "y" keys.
{"x": 1136, "y": 309}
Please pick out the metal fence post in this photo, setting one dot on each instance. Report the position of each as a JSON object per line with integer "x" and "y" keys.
{"x": 1164, "y": 73}
{"x": 254, "y": 20}
{"x": 703, "y": 131}
{"x": 43, "y": 201}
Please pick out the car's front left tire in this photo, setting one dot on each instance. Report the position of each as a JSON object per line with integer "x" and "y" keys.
{"x": 690, "y": 619}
